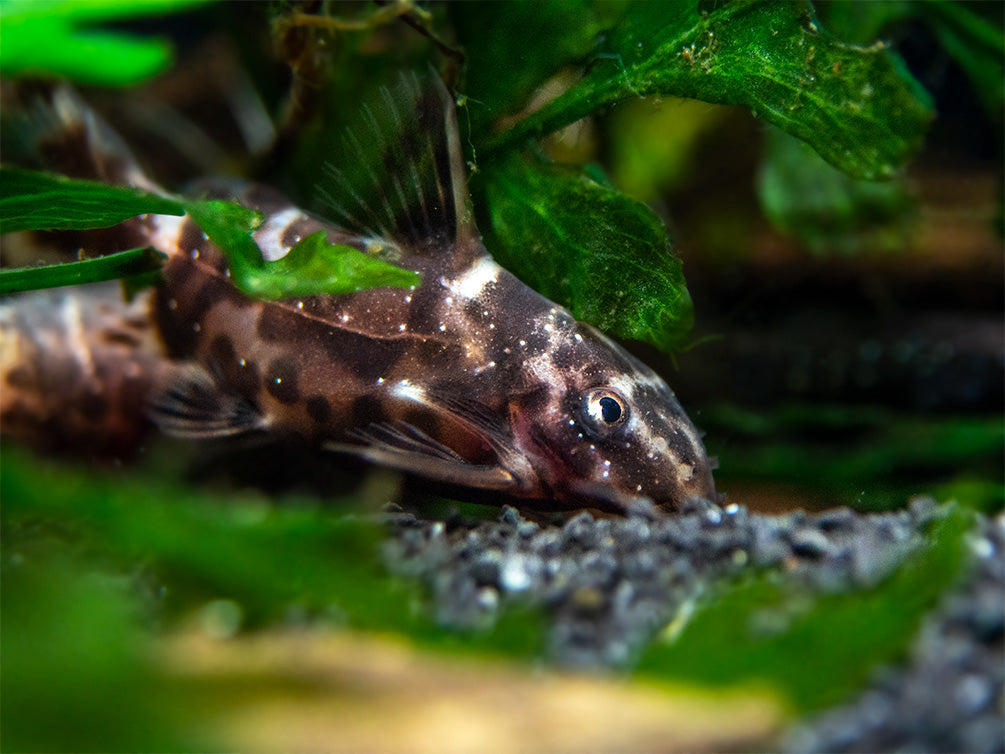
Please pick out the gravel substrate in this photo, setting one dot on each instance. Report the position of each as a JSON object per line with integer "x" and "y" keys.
{"x": 608, "y": 586}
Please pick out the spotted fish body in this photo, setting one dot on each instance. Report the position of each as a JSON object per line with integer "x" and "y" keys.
{"x": 470, "y": 378}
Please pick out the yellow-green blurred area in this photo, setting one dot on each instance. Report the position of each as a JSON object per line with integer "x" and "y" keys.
{"x": 847, "y": 349}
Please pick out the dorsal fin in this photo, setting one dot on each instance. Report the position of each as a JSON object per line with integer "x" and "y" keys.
{"x": 400, "y": 174}
{"x": 58, "y": 131}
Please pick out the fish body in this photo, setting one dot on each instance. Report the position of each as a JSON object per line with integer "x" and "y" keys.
{"x": 468, "y": 378}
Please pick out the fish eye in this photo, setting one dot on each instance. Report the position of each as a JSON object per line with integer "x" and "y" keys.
{"x": 604, "y": 408}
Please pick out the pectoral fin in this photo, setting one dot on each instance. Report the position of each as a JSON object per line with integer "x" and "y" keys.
{"x": 405, "y": 447}
{"x": 191, "y": 404}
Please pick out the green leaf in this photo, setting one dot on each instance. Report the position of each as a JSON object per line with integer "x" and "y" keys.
{"x": 826, "y": 209}
{"x": 857, "y": 106}
{"x": 30, "y": 200}
{"x": 315, "y": 266}
{"x": 54, "y": 38}
{"x": 123, "y": 264}
{"x": 229, "y": 226}
{"x": 754, "y": 631}
{"x": 510, "y": 63}
{"x": 596, "y": 251}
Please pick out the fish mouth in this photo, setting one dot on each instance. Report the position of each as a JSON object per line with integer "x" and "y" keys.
{"x": 590, "y": 494}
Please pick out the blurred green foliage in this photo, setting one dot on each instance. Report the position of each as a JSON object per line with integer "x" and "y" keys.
{"x": 869, "y": 457}
{"x": 817, "y": 648}
{"x": 59, "y": 39}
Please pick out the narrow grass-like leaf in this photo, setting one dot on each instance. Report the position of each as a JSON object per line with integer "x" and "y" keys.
{"x": 31, "y": 200}
{"x": 55, "y": 38}
{"x": 579, "y": 242}
{"x": 123, "y": 264}
{"x": 857, "y": 106}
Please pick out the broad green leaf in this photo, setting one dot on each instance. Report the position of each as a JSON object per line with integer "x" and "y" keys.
{"x": 30, "y": 200}
{"x": 57, "y": 39}
{"x": 110, "y": 267}
{"x": 315, "y": 266}
{"x": 857, "y": 106}
{"x": 507, "y": 63}
{"x": 826, "y": 209}
{"x": 596, "y": 251}
{"x": 754, "y": 631}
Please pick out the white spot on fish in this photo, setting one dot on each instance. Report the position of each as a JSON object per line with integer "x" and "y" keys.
{"x": 408, "y": 299}
{"x": 197, "y": 327}
{"x": 407, "y": 391}
{"x": 443, "y": 328}
{"x": 243, "y": 363}
{"x": 380, "y": 380}
{"x": 401, "y": 328}
{"x": 523, "y": 343}
{"x": 195, "y": 252}
{"x": 344, "y": 318}
{"x": 269, "y": 236}
{"x": 473, "y": 281}
{"x": 579, "y": 337}
{"x": 300, "y": 305}
{"x": 172, "y": 304}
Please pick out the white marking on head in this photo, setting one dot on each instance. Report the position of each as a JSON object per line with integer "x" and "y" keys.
{"x": 474, "y": 280}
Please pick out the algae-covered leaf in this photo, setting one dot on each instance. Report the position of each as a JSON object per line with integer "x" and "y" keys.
{"x": 31, "y": 200}
{"x": 857, "y": 106}
{"x": 59, "y": 39}
{"x": 315, "y": 266}
{"x": 510, "y": 63}
{"x": 816, "y": 649}
{"x": 579, "y": 242}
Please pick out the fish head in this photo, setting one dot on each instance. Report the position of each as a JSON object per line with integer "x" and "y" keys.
{"x": 601, "y": 426}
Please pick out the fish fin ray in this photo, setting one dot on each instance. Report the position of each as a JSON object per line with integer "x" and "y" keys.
{"x": 191, "y": 404}
{"x": 407, "y": 448}
{"x": 402, "y": 169}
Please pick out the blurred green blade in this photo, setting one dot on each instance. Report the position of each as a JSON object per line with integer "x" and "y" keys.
{"x": 600, "y": 253}
{"x": 756, "y": 629}
{"x": 30, "y": 200}
{"x": 857, "y": 106}
{"x": 51, "y": 38}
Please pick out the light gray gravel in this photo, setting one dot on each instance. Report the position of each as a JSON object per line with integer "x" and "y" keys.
{"x": 607, "y": 586}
